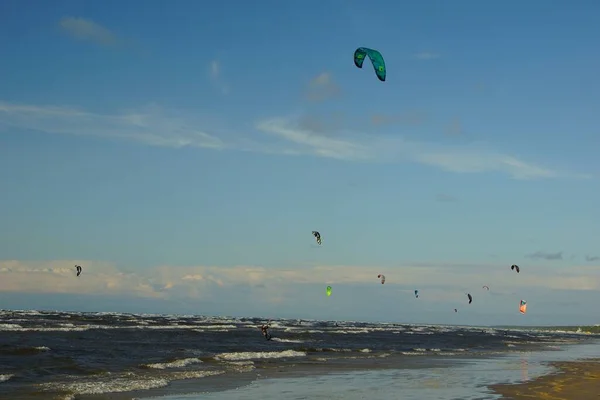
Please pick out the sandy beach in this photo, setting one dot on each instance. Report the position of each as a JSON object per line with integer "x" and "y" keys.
{"x": 575, "y": 380}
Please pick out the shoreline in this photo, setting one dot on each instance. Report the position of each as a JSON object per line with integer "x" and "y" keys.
{"x": 576, "y": 380}
{"x": 227, "y": 383}
{"x": 233, "y": 381}
{"x": 462, "y": 379}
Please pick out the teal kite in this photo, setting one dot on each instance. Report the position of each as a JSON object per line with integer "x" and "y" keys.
{"x": 376, "y": 60}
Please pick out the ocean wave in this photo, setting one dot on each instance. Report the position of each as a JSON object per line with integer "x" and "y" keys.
{"x": 249, "y": 355}
{"x": 174, "y": 364}
{"x": 119, "y": 384}
{"x": 324, "y": 350}
{"x": 281, "y": 340}
{"x": 23, "y": 351}
{"x": 86, "y": 327}
{"x": 240, "y": 366}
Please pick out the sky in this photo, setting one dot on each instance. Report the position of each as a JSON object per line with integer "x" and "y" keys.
{"x": 182, "y": 153}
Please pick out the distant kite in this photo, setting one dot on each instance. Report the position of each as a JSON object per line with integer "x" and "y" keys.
{"x": 523, "y": 307}
{"x": 515, "y": 267}
{"x": 317, "y": 236}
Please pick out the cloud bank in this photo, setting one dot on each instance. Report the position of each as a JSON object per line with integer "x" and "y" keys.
{"x": 299, "y": 292}
{"x": 199, "y": 282}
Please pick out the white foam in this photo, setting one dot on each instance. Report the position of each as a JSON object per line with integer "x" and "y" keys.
{"x": 218, "y": 326}
{"x": 249, "y": 355}
{"x": 85, "y": 327}
{"x": 5, "y": 377}
{"x": 351, "y": 331}
{"x": 10, "y": 327}
{"x": 245, "y": 362}
{"x": 175, "y": 364}
{"x": 276, "y": 339}
{"x": 125, "y": 383}
{"x": 115, "y": 385}
{"x": 241, "y": 366}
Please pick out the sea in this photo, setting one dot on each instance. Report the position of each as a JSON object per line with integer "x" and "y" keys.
{"x": 76, "y": 355}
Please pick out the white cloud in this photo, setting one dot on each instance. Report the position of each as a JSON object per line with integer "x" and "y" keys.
{"x": 156, "y": 126}
{"x": 217, "y": 78}
{"x": 322, "y": 87}
{"x": 210, "y": 283}
{"x": 85, "y": 29}
{"x": 425, "y": 55}
{"x": 97, "y": 276}
{"x": 362, "y": 147}
{"x": 152, "y": 126}
{"x": 316, "y": 144}
{"x": 299, "y": 292}
{"x": 60, "y": 277}
{"x": 215, "y": 69}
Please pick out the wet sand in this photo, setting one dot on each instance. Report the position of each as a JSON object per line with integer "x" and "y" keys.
{"x": 574, "y": 380}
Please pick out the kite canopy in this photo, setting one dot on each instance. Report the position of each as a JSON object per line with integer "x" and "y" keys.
{"x": 523, "y": 307}
{"x": 470, "y": 298}
{"x": 382, "y": 277}
{"x": 515, "y": 267}
{"x": 317, "y": 236}
{"x": 416, "y": 293}
{"x": 328, "y": 291}
{"x": 376, "y": 59}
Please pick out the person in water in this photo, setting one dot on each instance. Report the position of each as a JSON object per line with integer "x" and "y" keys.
{"x": 265, "y": 332}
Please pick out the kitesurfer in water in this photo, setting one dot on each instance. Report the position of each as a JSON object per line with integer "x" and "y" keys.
{"x": 265, "y": 331}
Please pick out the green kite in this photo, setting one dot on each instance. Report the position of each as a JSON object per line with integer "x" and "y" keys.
{"x": 376, "y": 60}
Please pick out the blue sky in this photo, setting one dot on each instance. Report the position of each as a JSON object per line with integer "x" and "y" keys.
{"x": 183, "y": 155}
